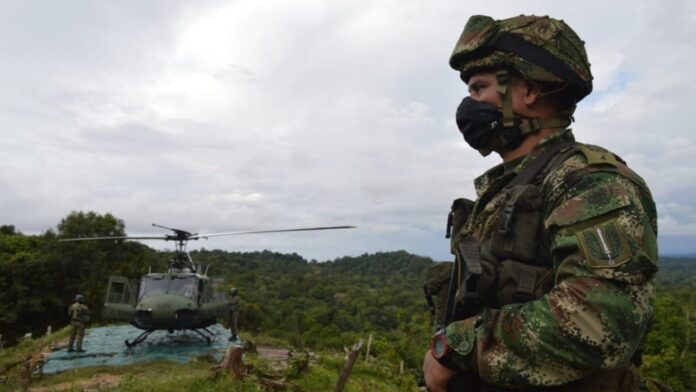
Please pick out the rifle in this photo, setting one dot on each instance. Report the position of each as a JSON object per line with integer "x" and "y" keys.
{"x": 462, "y": 299}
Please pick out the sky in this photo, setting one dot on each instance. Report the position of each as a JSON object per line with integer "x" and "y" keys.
{"x": 217, "y": 116}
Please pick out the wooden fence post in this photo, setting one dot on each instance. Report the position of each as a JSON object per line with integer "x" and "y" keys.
{"x": 348, "y": 367}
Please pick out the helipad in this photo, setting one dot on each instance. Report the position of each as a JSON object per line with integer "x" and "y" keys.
{"x": 105, "y": 346}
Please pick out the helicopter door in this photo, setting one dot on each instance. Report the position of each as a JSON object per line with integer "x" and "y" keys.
{"x": 121, "y": 296}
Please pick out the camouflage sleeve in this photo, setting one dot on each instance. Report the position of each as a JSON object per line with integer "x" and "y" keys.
{"x": 603, "y": 241}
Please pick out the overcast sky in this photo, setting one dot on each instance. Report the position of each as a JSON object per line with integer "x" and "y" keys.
{"x": 245, "y": 115}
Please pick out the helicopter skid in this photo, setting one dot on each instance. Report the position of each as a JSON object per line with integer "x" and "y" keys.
{"x": 139, "y": 339}
{"x": 208, "y": 336}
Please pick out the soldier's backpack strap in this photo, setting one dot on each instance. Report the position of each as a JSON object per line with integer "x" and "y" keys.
{"x": 528, "y": 175}
{"x": 539, "y": 163}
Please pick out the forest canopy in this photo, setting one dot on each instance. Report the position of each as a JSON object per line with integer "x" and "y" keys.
{"x": 309, "y": 304}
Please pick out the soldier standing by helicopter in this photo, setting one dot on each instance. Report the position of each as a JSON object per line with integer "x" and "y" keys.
{"x": 79, "y": 317}
{"x": 235, "y": 302}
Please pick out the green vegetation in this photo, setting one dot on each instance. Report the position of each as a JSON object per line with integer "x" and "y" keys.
{"x": 670, "y": 349}
{"x": 196, "y": 375}
{"x": 287, "y": 301}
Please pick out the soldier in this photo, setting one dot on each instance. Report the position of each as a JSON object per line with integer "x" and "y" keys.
{"x": 561, "y": 241}
{"x": 79, "y": 317}
{"x": 234, "y": 314}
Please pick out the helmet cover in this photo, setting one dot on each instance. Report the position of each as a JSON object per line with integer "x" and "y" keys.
{"x": 540, "y": 48}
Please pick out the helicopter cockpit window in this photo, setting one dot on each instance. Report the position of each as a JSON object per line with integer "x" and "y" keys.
{"x": 152, "y": 285}
{"x": 184, "y": 285}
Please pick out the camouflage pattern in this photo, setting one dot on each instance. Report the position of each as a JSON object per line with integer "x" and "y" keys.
{"x": 599, "y": 222}
{"x": 232, "y": 319}
{"x": 473, "y": 51}
{"x": 79, "y": 317}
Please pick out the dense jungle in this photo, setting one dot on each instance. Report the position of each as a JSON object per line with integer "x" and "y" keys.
{"x": 308, "y": 304}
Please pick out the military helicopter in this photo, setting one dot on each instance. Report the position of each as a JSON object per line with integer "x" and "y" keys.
{"x": 181, "y": 298}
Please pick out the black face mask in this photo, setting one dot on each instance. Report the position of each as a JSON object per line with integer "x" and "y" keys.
{"x": 480, "y": 121}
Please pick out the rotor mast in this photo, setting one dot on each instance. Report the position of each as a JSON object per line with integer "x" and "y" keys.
{"x": 181, "y": 259}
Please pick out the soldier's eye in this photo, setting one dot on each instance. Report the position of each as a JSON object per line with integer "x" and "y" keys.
{"x": 475, "y": 88}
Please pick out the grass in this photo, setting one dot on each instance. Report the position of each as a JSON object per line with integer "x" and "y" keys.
{"x": 196, "y": 375}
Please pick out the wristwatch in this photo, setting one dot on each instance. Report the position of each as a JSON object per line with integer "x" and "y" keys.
{"x": 441, "y": 351}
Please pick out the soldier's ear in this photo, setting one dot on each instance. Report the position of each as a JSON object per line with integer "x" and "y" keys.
{"x": 532, "y": 92}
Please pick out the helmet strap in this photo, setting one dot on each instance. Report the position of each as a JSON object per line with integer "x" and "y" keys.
{"x": 526, "y": 126}
{"x": 503, "y": 77}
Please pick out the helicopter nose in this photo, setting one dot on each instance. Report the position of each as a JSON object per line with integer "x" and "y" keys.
{"x": 164, "y": 312}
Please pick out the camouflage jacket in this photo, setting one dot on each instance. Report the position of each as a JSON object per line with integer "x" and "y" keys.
{"x": 235, "y": 304}
{"x": 599, "y": 228}
{"x": 79, "y": 312}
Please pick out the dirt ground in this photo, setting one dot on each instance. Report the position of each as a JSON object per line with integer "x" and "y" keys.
{"x": 93, "y": 384}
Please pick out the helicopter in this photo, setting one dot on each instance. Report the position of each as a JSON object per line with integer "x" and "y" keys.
{"x": 182, "y": 298}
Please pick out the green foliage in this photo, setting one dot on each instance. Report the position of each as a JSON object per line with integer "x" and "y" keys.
{"x": 670, "y": 350}
{"x": 333, "y": 304}
{"x": 39, "y": 275}
{"x": 288, "y": 300}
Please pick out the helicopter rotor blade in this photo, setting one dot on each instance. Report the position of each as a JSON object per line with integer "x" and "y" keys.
{"x": 162, "y": 227}
{"x": 271, "y": 231}
{"x": 178, "y": 232}
{"x": 111, "y": 238}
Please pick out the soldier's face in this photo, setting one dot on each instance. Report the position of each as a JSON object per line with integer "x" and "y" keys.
{"x": 483, "y": 85}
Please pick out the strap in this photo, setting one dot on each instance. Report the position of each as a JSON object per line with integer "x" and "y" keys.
{"x": 538, "y": 164}
{"x": 533, "y": 125}
{"x": 470, "y": 251}
{"x": 503, "y": 78}
{"x": 525, "y": 286}
{"x": 515, "y": 44}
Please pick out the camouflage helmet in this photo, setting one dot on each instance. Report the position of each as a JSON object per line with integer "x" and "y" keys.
{"x": 233, "y": 291}
{"x": 541, "y": 48}
{"x": 78, "y": 298}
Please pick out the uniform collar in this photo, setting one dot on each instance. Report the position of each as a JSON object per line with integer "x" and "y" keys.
{"x": 506, "y": 169}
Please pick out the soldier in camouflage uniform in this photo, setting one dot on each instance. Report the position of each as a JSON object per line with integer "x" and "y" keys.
{"x": 564, "y": 234}
{"x": 79, "y": 317}
{"x": 235, "y": 303}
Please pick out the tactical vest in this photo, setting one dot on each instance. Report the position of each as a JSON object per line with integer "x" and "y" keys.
{"x": 513, "y": 265}
{"x": 79, "y": 313}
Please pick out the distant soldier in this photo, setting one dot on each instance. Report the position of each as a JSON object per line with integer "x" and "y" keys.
{"x": 234, "y": 314}
{"x": 79, "y": 317}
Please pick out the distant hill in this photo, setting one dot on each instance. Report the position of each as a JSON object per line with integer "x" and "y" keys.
{"x": 677, "y": 270}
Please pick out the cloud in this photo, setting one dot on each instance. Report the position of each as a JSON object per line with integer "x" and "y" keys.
{"x": 233, "y": 115}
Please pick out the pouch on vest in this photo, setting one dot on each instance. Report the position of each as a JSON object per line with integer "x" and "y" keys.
{"x": 520, "y": 282}
{"x": 459, "y": 213}
{"x": 435, "y": 288}
{"x": 519, "y": 226}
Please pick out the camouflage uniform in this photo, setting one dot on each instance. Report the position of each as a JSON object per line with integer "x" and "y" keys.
{"x": 567, "y": 295}
{"x": 596, "y": 312}
{"x": 235, "y": 304}
{"x": 79, "y": 317}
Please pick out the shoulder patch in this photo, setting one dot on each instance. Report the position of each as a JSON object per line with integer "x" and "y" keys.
{"x": 604, "y": 245}
{"x": 596, "y": 156}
